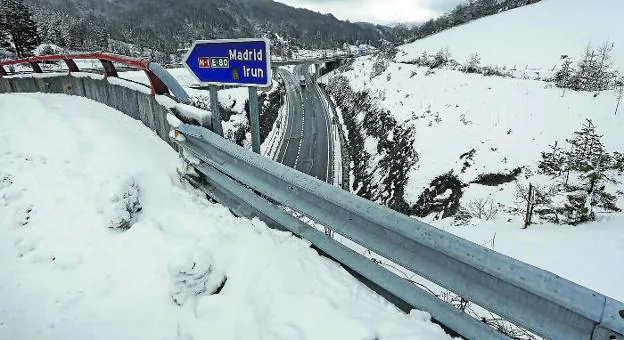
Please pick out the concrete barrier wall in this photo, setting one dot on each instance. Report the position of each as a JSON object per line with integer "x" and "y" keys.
{"x": 134, "y": 103}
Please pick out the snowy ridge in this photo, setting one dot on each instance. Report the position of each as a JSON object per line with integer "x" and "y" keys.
{"x": 533, "y": 36}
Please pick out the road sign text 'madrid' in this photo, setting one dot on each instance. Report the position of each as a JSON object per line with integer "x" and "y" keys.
{"x": 243, "y": 62}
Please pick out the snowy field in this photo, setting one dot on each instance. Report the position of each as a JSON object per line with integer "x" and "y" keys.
{"x": 535, "y": 36}
{"x": 67, "y": 175}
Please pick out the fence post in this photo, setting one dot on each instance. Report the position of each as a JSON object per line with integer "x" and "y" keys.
{"x": 254, "y": 120}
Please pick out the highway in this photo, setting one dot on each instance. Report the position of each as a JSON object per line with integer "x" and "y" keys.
{"x": 305, "y": 145}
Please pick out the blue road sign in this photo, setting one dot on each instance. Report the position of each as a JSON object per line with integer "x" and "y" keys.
{"x": 244, "y": 62}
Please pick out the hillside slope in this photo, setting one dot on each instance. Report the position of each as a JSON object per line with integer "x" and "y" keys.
{"x": 535, "y": 36}
{"x": 164, "y": 25}
{"x": 460, "y": 150}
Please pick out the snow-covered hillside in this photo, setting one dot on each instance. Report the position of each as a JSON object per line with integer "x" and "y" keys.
{"x": 100, "y": 240}
{"x": 460, "y": 150}
{"x": 533, "y": 36}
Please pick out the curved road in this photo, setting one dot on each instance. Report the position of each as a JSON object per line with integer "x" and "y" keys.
{"x": 306, "y": 142}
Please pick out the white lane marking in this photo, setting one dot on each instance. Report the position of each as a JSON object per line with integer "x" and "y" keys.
{"x": 301, "y": 135}
{"x": 290, "y": 104}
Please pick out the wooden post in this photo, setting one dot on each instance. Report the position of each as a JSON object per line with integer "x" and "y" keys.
{"x": 214, "y": 108}
{"x": 529, "y": 208}
{"x": 254, "y": 119}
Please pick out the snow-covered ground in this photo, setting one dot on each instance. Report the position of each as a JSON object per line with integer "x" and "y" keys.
{"x": 233, "y": 98}
{"x": 535, "y": 36}
{"x": 70, "y": 169}
{"x": 508, "y": 123}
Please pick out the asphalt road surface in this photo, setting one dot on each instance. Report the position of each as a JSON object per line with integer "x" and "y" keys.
{"x": 306, "y": 143}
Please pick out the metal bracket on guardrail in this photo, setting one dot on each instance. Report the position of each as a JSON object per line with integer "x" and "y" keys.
{"x": 538, "y": 300}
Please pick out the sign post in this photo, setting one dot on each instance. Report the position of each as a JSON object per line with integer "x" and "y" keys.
{"x": 242, "y": 62}
{"x": 255, "y": 119}
{"x": 214, "y": 107}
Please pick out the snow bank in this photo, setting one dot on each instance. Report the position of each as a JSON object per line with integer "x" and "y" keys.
{"x": 183, "y": 269}
{"x": 535, "y": 36}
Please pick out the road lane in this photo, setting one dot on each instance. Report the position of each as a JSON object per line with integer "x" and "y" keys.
{"x": 306, "y": 144}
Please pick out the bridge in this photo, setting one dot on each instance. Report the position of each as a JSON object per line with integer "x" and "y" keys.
{"x": 286, "y": 199}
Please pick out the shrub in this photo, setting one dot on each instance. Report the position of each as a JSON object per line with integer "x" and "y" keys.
{"x": 483, "y": 208}
{"x": 441, "y": 197}
{"x": 495, "y": 179}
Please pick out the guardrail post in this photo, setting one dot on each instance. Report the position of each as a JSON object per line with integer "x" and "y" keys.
{"x": 254, "y": 119}
{"x": 158, "y": 87}
{"x": 109, "y": 68}
{"x": 35, "y": 66}
{"x": 71, "y": 65}
{"x": 214, "y": 107}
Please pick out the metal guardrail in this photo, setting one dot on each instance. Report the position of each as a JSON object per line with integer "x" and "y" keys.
{"x": 161, "y": 82}
{"x": 538, "y": 300}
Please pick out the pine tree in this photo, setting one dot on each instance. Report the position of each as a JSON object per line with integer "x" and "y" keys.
{"x": 486, "y": 7}
{"x": 18, "y": 25}
{"x": 595, "y": 70}
{"x": 77, "y": 35}
{"x": 586, "y": 149}
{"x": 586, "y": 70}
{"x": 576, "y": 210}
{"x": 553, "y": 163}
{"x": 472, "y": 65}
{"x": 5, "y": 42}
{"x": 605, "y": 73}
{"x": 563, "y": 77}
{"x": 588, "y": 155}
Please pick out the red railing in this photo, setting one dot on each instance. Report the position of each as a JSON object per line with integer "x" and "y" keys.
{"x": 107, "y": 60}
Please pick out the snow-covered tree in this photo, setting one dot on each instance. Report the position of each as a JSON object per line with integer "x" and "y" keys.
{"x": 485, "y": 7}
{"x": 472, "y": 64}
{"x": 606, "y": 74}
{"x": 5, "y": 41}
{"x": 400, "y": 33}
{"x": 587, "y": 167}
{"x": 586, "y": 149}
{"x": 595, "y": 70}
{"x": 563, "y": 77}
{"x": 17, "y": 27}
{"x": 553, "y": 162}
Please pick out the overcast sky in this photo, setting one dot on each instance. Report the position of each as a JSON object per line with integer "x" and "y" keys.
{"x": 378, "y": 11}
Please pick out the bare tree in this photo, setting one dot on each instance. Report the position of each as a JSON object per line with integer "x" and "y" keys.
{"x": 483, "y": 208}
